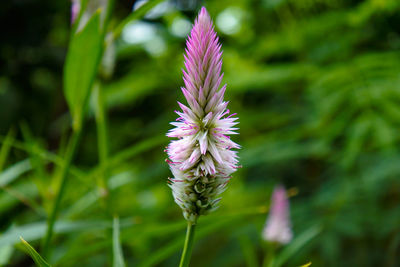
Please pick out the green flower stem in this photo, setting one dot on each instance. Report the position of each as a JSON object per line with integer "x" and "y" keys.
{"x": 187, "y": 248}
{"x": 269, "y": 260}
{"x": 71, "y": 149}
{"x": 101, "y": 117}
{"x": 102, "y": 139}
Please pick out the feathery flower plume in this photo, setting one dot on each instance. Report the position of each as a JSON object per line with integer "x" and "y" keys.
{"x": 202, "y": 159}
{"x": 278, "y": 227}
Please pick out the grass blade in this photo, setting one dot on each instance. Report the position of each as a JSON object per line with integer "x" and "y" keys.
{"x": 5, "y": 254}
{"x": 34, "y": 255}
{"x": 118, "y": 258}
{"x": 35, "y": 231}
{"x": 296, "y": 245}
{"x": 72, "y": 147}
{"x": 102, "y": 138}
{"x": 137, "y": 14}
{"x": 5, "y": 148}
{"x": 13, "y": 172}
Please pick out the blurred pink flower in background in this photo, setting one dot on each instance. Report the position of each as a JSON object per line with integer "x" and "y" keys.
{"x": 278, "y": 225}
{"x": 75, "y": 8}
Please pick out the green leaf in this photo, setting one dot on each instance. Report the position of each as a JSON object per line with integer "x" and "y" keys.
{"x": 81, "y": 67}
{"x": 91, "y": 198}
{"x": 38, "y": 165}
{"x": 118, "y": 258}
{"x": 35, "y": 231}
{"x": 13, "y": 172}
{"x": 296, "y": 245}
{"x": 128, "y": 153}
{"x": 34, "y": 255}
{"x": 5, "y": 148}
{"x": 5, "y": 254}
{"x": 137, "y": 14}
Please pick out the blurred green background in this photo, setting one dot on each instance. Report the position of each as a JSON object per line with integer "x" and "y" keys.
{"x": 315, "y": 83}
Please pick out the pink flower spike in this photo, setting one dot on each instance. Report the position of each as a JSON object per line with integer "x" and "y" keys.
{"x": 201, "y": 160}
{"x": 278, "y": 226}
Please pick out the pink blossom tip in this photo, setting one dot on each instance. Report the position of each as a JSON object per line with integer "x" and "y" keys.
{"x": 278, "y": 226}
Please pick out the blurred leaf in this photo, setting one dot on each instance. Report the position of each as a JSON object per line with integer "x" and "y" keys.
{"x": 47, "y": 156}
{"x": 118, "y": 258}
{"x": 38, "y": 165}
{"x": 131, "y": 87}
{"x": 137, "y": 14}
{"x": 36, "y": 231}
{"x": 355, "y": 140}
{"x": 91, "y": 198}
{"x": 5, "y": 254}
{"x": 366, "y": 9}
{"x": 5, "y": 148}
{"x": 129, "y": 152}
{"x": 14, "y": 171}
{"x": 251, "y": 76}
{"x": 24, "y": 192}
{"x": 354, "y": 105}
{"x": 261, "y": 150}
{"x": 296, "y": 245}
{"x": 81, "y": 67}
{"x": 249, "y": 251}
{"x": 40, "y": 262}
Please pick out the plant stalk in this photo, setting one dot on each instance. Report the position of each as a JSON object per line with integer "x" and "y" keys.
{"x": 71, "y": 149}
{"x": 269, "y": 260}
{"x": 102, "y": 140}
{"x": 187, "y": 248}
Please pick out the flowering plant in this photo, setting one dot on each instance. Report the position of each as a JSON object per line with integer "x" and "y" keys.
{"x": 202, "y": 159}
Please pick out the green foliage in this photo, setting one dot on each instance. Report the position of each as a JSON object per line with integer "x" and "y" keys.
{"x": 5, "y": 254}
{"x": 296, "y": 245}
{"x": 13, "y": 172}
{"x": 40, "y": 262}
{"x": 5, "y": 148}
{"x": 118, "y": 258}
{"x": 79, "y": 74}
{"x": 315, "y": 84}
